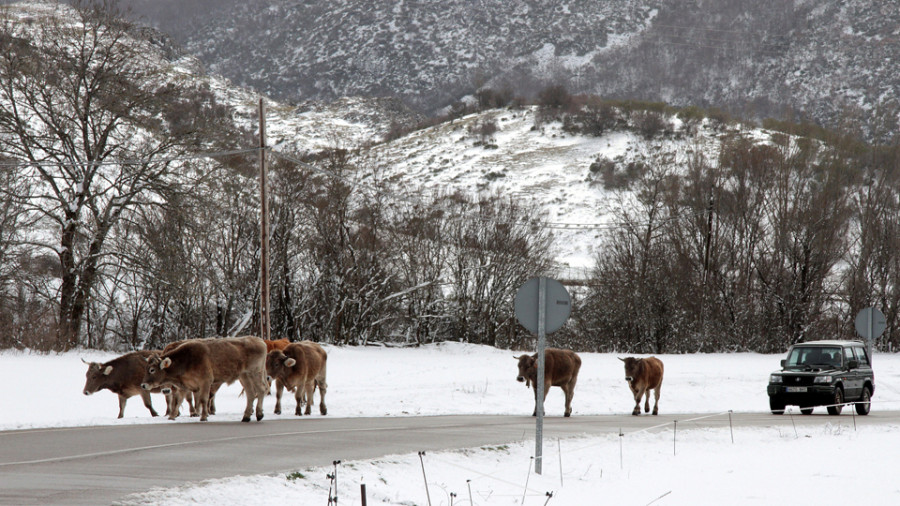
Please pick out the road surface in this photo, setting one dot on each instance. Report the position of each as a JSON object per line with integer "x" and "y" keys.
{"x": 100, "y": 464}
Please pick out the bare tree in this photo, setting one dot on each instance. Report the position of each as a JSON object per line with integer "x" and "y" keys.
{"x": 85, "y": 107}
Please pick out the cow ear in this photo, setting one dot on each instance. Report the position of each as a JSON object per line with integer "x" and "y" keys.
{"x": 166, "y": 362}
{"x": 290, "y": 362}
{"x": 107, "y": 370}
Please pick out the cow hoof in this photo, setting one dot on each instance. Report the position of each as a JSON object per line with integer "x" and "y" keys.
{"x": 636, "y": 412}
{"x": 259, "y": 417}
{"x": 246, "y": 419}
{"x": 323, "y": 411}
{"x": 194, "y": 414}
{"x": 567, "y": 415}
{"x": 277, "y": 411}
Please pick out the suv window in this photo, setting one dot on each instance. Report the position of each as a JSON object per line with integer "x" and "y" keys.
{"x": 861, "y": 355}
{"x": 814, "y": 355}
{"x": 848, "y": 355}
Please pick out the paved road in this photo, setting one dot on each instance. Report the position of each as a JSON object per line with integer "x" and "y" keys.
{"x": 98, "y": 465}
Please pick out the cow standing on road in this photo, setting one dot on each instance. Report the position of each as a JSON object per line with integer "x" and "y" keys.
{"x": 201, "y": 365}
{"x": 122, "y": 376}
{"x": 643, "y": 375}
{"x": 300, "y": 368}
{"x": 560, "y": 370}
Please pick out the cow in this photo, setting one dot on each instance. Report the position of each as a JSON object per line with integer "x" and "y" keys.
{"x": 276, "y": 344}
{"x": 643, "y": 375}
{"x": 122, "y": 376}
{"x": 560, "y": 370}
{"x": 202, "y": 365}
{"x": 300, "y": 368}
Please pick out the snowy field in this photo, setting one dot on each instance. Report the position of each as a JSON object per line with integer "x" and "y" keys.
{"x": 827, "y": 461}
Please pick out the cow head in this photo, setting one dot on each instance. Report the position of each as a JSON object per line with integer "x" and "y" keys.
{"x": 527, "y": 369}
{"x": 96, "y": 376}
{"x": 633, "y": 367}
{"x": 279, "y": 365}
{"x": 156, "y": 371}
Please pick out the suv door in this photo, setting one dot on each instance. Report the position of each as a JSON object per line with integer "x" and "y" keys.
{"x": 864, "y": 372}
{"x": 853, "y": 380}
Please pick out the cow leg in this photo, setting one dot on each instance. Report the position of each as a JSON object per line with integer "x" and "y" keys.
{"x": 192, "y": 404}
{"x": 201, "y": 397}
{"x": 322, "y": 386}
{"x": 569, "y": 389}
{"x": 279, "y": 390}
{"x": 310, "y": 392}
{"x": 122, "y": 401}
{"x": 638, "y": 393}
{"x": 256, "y": 387}
{"x": 647, "y": 400}
{"x": 535, "y": 399}
{"x": 656, "y": 402}
{"x": 299, "y": 394}
{"x": 145, "y": 396}
{"x": 250, "y": 393}
{"x": 212, "y": 397}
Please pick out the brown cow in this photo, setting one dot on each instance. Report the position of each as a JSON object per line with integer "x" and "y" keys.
{"x": 276, "y": 344}
{"x": 560, "y": 370}
{"x": 199, "y": 365}
{"x": 122, "y": 376}
{"x": 300, "y": 368}
{"x": 643, "y": 375}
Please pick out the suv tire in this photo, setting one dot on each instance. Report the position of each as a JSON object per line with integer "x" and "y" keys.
{"x": 838, "y": 402}
{"x": 776, "y": 405}
{"x": 864, "y": 404}
{"x": 804, "y": 410}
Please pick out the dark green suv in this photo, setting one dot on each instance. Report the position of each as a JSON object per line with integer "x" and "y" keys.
{"x": 823, "y": 373}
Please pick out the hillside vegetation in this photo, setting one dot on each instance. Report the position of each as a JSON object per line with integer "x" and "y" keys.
{"x": 129, "y": 211}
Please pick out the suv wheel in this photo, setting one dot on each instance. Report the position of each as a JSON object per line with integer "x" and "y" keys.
{"x": 838, "y": 402}
{"x": 777, "y": 406}
{"x": 806, "y": 410}
{"x": 864, "y": 404}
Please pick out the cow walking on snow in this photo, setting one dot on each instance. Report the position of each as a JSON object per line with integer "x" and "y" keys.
{"x": 300, "y": 368}
{"x": 560, "y": 370}
{"x": 643, "y": 375}
{"x": 201, "y": 365}
{"x": 122, "y": 376}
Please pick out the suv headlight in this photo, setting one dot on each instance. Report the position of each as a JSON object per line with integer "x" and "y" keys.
{"x": 822, "y": 379}
{"x": 775, "y": 378}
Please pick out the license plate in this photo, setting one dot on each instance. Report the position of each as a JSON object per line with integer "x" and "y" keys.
{"x": 794, "y": 390}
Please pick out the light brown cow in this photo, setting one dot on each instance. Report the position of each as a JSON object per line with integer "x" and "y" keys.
{"x": 560, "y": 370}
{"x": 643, "y": 375}
{"x": 276, "y": 344}
{"x": 300, "y": 368}
{"x": 198, "y": 365}
{"x": 122, "y": 376}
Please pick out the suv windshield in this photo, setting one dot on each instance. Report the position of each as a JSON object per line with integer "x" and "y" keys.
{"x": 815, "y": 356}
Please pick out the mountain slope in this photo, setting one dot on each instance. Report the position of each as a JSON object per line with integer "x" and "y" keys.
{"x": 824, "y": 61}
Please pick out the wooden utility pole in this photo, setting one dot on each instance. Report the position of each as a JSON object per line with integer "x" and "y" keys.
{"x": 263, "y": 228}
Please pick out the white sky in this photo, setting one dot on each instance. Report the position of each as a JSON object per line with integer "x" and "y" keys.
{"x": 828, "y": 461}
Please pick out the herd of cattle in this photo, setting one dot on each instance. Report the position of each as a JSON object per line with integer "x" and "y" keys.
{"x": 193, "y": 370}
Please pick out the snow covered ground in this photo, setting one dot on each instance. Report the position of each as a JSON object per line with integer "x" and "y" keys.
{"x": 830, "y": 460}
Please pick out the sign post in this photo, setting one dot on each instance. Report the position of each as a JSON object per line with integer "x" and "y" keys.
{"x": 870, "y": 323}
{"x": 542, "y": 306}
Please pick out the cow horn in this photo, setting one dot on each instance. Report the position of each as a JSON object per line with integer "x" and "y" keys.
{"x": 85, "y": 361}
{"x": 620, "y": 358}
